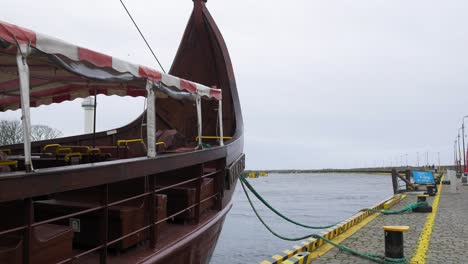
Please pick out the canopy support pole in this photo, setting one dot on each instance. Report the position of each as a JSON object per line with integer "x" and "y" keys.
{"x": 199, "y": 120}
{"x": 151, "y": 119}
{"x": 23, "y": 72}
{"x": 94, "y": 118}
{"x": 220, "y": 117}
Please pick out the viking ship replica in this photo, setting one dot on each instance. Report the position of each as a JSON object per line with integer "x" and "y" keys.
{"x": 154, "y": 191}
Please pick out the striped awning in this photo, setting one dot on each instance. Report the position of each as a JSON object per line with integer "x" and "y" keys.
{"x": 60, "y": 71}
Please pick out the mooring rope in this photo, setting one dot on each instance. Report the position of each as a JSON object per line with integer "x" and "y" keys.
{"x": 251, "y": 188}
{"x": 408, "y": 208}
{"x": 385, "y": 212}
{"x": 369, "y": 256}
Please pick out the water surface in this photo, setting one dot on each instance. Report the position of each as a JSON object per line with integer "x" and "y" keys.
{"x": 312, "y": 199}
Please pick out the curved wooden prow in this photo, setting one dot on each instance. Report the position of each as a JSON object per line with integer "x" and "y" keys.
{"x": 202, "y": 57}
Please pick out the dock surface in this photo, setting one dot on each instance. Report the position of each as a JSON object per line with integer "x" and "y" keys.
{"x": 447, "y": 243}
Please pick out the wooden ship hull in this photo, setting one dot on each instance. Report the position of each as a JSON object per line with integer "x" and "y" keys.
{"x": 105, "y": 197}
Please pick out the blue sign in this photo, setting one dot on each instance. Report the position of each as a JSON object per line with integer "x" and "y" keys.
{"x": 423, "y": 177}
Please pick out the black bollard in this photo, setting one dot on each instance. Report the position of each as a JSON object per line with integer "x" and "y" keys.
{"x": 425, "y": 208}
{"x": 394, "y": 241}
{"x": 431, "y": 190}
{"x": 422, "y": 197}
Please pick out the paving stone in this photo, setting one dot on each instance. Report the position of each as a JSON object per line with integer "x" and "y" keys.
{"x": 449, "y": 241}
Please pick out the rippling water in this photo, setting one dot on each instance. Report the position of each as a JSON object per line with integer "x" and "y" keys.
{"x": 313, "y": 199}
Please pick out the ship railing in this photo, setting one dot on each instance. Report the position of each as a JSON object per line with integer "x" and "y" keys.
{"x": 104, "y": 218}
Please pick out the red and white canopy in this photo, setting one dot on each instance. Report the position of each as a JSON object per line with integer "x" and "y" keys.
{"x": 61, "y": 71}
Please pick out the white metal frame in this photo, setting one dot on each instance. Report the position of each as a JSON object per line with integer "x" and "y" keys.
{"x": 199, "y": 120}
{"x": 220, "y": 117}
{"x": 23, "y": 73}
{"x": 151, "y": 119}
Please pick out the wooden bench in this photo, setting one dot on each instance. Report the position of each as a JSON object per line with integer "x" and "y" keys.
{"x": 135, "y": 147}
{"x": 116, "y": 152}
{"x": 49, "y": 243}
{"x": 11, "y": 249}
{"x": 181, "y": 197}
{"x": 122, "y": 219}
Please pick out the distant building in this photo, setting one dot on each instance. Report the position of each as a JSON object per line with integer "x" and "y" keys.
{"x": 88, "y": 106}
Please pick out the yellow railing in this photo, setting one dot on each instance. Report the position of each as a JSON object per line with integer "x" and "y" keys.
{"x": 50, "y": 146}
{"x": 9, "y": 163}
{"x": 6, "y": 151}
{"x": 161, "y": 143}
{"x": 63, "y": 150}
{"x": 211, "y": 137}
{"x": 93, "y": 151}
{"x": 68, "y": 149}
{"x": 73, "y": 154}
{"x": 126, "y": 141}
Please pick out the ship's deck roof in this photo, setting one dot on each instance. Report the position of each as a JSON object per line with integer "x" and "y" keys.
{"x": 61, "y": 71}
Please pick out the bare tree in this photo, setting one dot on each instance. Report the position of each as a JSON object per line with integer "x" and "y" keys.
{"x": 42, "y": 132}
{"x": 11, "y": 132}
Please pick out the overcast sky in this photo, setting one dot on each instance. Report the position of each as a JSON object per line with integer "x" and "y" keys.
{"x": 322, "y": 83}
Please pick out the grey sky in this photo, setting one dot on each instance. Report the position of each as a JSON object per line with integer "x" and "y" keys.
{"x": 322, "y": 83}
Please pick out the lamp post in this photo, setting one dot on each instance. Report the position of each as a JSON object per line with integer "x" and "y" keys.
{"x": 438, "y": 159}
{"x": 417, "y": 158}
{"x": 459, "y": 150}
{"x": 463, "y": 141}
{"x": 455, "y": 151}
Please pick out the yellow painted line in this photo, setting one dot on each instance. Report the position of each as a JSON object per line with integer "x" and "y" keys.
{"x": 419, "y": 256}
{"x": 306, "y": 245}
{"x": 297, "y": 248}
{"x": 288, "y": 252}
{"x": 326, "y": 247}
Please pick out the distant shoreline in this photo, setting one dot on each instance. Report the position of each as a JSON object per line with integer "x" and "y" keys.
{"x": 355, "y": 170}
{"x": 321, "y": 171}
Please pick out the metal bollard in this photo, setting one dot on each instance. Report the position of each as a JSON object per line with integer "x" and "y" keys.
{"x": 431, "y": 190}
{"x": 426, "y": 208}
{"x": 422, "y": 197}
{"x": 394, "y": 241}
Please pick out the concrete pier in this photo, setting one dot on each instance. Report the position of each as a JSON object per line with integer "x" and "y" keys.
{"x": 437, "y": 237}
{"x": 449, "y": 242}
